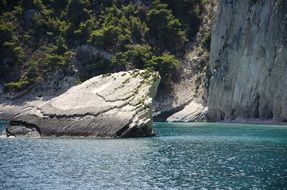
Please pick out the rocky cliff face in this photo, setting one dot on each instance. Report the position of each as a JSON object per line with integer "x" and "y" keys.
{"x": 248, "y": 61}
{"x": 116, "y": 105}
{"x": 186, "y": 100}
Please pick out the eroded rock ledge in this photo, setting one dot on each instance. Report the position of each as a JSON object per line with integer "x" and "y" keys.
{"x": 113, "y": 105}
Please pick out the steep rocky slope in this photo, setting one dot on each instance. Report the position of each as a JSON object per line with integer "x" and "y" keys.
{"x": 116, "y": 105}
{"x": 186, "y": 101}
{"x": 248, "y": 61}
{"x": 44, "y": 43}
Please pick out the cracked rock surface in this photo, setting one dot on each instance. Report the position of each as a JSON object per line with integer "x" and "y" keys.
{"x": 248, "y": 61}
{"x": 111, "y": 105}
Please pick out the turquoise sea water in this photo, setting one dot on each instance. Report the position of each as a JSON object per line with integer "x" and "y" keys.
{"x": 182, "y": 156}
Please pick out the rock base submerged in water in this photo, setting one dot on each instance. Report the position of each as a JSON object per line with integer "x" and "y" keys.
{"x": 111, "y": 105}
{"x": 192, "y": 112}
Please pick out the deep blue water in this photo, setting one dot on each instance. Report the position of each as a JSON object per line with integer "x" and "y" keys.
{"x": 183, "y": 156}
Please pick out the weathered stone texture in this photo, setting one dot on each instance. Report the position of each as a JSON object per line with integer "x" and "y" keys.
{"x": 248, "y": 61}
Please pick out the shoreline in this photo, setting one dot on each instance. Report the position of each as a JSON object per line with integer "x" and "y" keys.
{"x": 255, "y": 122}
{"x": 251, "y": 122}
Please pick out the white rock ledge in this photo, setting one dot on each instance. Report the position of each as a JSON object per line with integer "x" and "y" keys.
{"x": 112, "y": 105}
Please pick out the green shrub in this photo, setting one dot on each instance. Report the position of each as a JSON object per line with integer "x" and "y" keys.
{"x": 77, "y": 11}
{"x": 166, "y": 65}
{"x": 106, "y": 37}
{"x": 99, "y": 65}
{"x": 136, "y": 33}
{"x": 55, "y": 59}
{"x": 138, "y": 29}
{"x": 9, "y": 45}
{"x": 188, "y": 12}
{"x": 19, "y": 52}
{"x": 113, "y": 33}
{"x": 165, "y": 28}
{"x": 136, "y": 55}
{"x": 6, "y": 31}
{"x": 18, "y": 85}
{"x": 32, "y": 4}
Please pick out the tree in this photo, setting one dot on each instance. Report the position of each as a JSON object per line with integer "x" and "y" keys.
{"x": 166, "y": 65}
{"x": 136, "y": 55}
{"x": 188, "y": 12}
{"x": 165, "y": 29}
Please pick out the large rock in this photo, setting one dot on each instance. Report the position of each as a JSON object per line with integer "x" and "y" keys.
{"x": 248, "y": 61}
{"x": 115, "y": 105}
{"x": 193, "y": 112}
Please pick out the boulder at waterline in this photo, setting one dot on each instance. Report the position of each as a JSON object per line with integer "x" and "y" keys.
{"x": 111, "y": 105}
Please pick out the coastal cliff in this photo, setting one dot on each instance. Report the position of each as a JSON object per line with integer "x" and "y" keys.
{"x": 248, "y": 61}
{"x": 111, "y": 105}
{"x": 186, "y": 100}
{"x": 44, "y": 42}
{"x": 233, "y": 72}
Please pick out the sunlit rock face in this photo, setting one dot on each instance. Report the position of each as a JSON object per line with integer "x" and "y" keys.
{"x": 248, "y": 61}
{"x": 191, "y": 113}
{"x": 113, "y": 105}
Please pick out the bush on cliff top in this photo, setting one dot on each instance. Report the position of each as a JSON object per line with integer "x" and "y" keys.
{"x": 145, "y": 34}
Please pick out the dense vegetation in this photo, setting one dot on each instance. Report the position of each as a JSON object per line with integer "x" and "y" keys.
{"x": 40, "y": 36}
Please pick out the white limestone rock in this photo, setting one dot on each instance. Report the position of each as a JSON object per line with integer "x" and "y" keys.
{"x": 194, "y": 111}
{"x": 248, "y": 61}
{"x": 111, "y": 105}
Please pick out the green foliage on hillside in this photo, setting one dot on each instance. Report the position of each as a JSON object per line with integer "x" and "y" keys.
{"x": 41, "y": 36}
{"x": 166, "y": 64}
